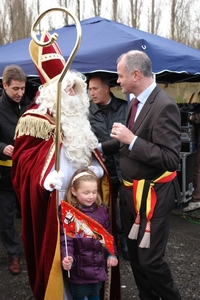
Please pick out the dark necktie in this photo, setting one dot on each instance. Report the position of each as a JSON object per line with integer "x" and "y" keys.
{"x": 133, "y": 113}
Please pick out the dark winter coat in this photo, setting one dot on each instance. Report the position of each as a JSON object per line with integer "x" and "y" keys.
{"x": 102, "y": 126}
{"x": 10, "y": 112}
{"x": 90, "y": 256}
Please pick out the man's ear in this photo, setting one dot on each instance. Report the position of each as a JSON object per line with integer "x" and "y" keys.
{"x": 4, "y": 85}
{"x": 135, "y": 74}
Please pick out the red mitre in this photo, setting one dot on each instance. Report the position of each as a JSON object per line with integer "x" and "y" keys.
{"x": 48, "y": 60}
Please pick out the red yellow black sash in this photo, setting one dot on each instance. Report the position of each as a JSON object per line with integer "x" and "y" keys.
{"x": 143, "y": 190}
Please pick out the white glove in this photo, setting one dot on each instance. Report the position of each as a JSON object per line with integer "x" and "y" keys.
{"x": 97, "y": 170}
{"x": 54, "y": 180}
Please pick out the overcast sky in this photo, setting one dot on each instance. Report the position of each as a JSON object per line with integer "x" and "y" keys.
{"x": 106, "y": 13}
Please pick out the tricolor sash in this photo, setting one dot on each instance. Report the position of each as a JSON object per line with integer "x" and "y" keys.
{"x": 143, "y": 190}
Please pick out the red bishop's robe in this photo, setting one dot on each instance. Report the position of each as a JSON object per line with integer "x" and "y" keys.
{"x": 33, "y": 158}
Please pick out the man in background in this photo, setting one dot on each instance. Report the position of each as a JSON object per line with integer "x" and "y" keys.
{"x": 195, "y": 201}
{"x": 13, "y": 104}
{"x": 104, "y": 110}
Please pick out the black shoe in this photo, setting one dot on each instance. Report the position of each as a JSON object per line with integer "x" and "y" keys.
{"x": 124, "y": 251}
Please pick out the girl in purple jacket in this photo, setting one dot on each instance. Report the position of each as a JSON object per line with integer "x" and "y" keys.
{"x": 85, "y": 267}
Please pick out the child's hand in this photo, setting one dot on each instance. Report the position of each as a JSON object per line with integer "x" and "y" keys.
{"x": 67, "y": 263}
{"x": 112, "y": 261}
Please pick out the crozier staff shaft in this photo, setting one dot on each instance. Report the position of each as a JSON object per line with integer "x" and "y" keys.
{"x": 54, "y": 38}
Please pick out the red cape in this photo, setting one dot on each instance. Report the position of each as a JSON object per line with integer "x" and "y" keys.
{"x": 33, "y": 159}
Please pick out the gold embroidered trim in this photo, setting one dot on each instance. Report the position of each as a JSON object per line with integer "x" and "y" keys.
{"x": 48, "y": 159}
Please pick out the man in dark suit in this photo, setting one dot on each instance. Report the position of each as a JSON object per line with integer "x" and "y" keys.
{"x": 149, "y": 156}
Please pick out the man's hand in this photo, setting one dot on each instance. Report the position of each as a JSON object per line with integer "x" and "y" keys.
{"x": 122, "y": 133}
{"x": 8, "y": 150}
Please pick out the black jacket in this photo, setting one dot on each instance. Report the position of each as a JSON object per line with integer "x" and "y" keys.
{"x": 10, "y": 112}
{"x": 102, "y": 125}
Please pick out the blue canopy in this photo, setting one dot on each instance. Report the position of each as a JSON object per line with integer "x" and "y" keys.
{"x": 102, "y": 43}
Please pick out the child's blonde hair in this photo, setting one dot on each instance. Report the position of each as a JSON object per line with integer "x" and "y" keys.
{"x": 83, "y": 174}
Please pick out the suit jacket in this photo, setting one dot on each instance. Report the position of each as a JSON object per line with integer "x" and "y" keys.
{"x": 158, "y": 143}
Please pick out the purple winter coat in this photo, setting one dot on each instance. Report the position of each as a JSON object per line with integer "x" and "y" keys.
{"x": 90, "y": 256}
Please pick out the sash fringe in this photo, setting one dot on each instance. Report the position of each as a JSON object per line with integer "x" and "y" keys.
{"x": 145, "y": 242}
{"x": 139, "y": 192}
{"x": 133, "y": 234}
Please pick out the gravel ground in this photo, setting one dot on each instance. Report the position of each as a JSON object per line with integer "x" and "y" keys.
{"x": 182, "y": 253}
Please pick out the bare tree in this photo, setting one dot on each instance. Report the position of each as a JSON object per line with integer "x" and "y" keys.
{"x": 114, "y": 9}
{"x": 17, "y": 19}
{"x": 73, "y": 7}
{"x": 4, "y": 36}
{"x": 181, "y": 20}
{"x": 135, "y": 11}
{"x": 97, "y": 7}
{"x": 78, "y": 9}
{"x": 173, "y": 18}
{"x": 154, "y": 16}
{"x": 38, "y": 13}
{"x": 195, "y": 39}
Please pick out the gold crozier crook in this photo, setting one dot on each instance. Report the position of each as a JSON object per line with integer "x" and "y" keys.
{"x": 54, "y": 38}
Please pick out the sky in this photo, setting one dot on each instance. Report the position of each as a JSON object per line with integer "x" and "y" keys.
{"x": 105, "y": 13}
{"x": 164, "y": 29}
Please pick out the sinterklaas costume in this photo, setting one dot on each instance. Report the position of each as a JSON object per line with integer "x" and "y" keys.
{"x": 33, "y": 159}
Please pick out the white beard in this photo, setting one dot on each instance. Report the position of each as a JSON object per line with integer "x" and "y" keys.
{"x": 78, "y": 139}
